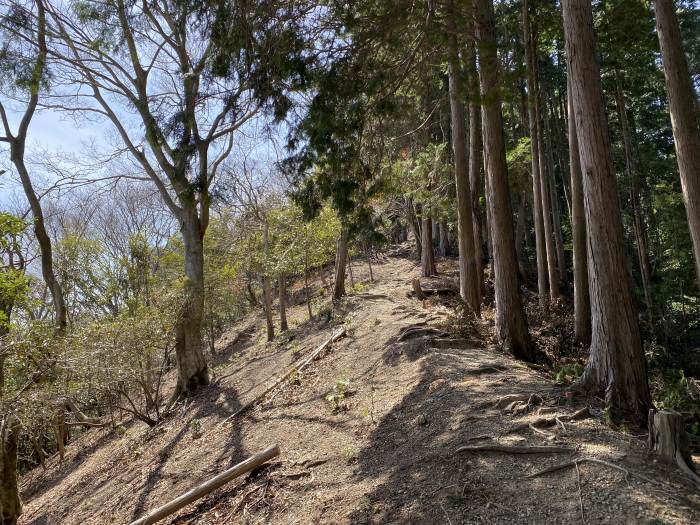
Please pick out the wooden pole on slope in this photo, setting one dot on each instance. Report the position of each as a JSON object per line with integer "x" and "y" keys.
{"x": 208, "y": 486}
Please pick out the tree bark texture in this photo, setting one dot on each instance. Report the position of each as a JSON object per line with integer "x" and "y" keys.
{"x": 10, "y": 503}
{"x": 427, "y": 260}
{"x": 192, "y": 367}
{"x": 341, "y": 259}
{"x": 475, "y": 163}
{"x": 582, "y": 301}
{"x": 267, "y": 285}
{"x": 633, "y": 176}
{"x": 616, "y": 364}
{"x": 468, "y": 277}
{"x": 538, "y": 219}
{"x": 283, "y": 303}
{"x": 684, "y": 116}
{"x": 511, "y": 323}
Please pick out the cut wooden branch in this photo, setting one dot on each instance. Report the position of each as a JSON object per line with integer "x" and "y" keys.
{"x": 207, "y": 487}
{"x": 517, "y": 449}
{"x": 294, "y": 369}
{"x": 667, "y": 438}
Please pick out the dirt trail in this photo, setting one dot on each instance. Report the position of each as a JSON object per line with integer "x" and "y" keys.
{"x": 385, "y": 456}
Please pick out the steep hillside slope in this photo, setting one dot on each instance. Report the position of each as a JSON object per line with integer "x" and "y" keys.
{"x": 368, "y": 434}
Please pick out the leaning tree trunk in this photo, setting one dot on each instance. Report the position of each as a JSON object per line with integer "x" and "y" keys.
{"x": 468, "y": 276}
{"x": 10, "y": 503}
{"x": 192, "y": 367}
{"x": 341, "y": 259}
{"x": 475, "y": 163}
{"x": 684, "y": 116}
{"x": 427, "y": 258}
{"x": 633, "y": 175}
{"x": 511, "y": 323}
{"x": 17, "y": 150}
{"x": 582, "y": 301}
{"x": 283, "y": 303}
{"x": 42, "y": 237}
{"x": 616, "y": 364}
{"x": 538, "y": 219}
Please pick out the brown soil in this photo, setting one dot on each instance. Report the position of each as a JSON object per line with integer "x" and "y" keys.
{"x": 384, "y": 452}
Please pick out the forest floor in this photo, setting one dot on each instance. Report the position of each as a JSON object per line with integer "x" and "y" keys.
{"x": 384, "y": 451}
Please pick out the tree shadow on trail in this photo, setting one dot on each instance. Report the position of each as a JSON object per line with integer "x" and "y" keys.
{"x": 411, "y": 450}
{"x": 204, "y": 408}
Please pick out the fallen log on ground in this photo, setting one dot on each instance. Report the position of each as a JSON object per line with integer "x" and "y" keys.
{"x": 208, "y": 486}
{"x": 296, "y": 368}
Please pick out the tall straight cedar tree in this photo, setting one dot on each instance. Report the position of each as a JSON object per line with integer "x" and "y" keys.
{"x": 469, "y": 287}
{"x": 684, "y": 115}
{"x": 616, "y": 365}
{"x": 538, "y": 219}
{"x": 511, "y": 323}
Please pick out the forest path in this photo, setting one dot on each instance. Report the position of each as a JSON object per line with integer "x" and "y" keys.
{"x": 385, "y": 453}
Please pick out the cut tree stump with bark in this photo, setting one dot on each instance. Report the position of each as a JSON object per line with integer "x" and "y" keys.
{"x": 208, "y": 486}
{"x": 667, "y": 439}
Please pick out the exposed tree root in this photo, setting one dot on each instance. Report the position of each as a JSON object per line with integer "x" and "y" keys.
{"x": 551, "y": 421}
{"x": 515, "y": 449}
{"x": 420, "y": 331}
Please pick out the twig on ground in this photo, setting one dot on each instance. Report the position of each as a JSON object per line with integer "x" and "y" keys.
{"x": 446, "y": 514}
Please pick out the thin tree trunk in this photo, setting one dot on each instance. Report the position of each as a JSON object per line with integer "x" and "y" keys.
{"x": 443, "y": 241}
{"x": 352, "y": 277}
{"x": 554, "y": 199}
{"x": 511, "y": 323}
{"x": 368, "y": 251}
{"x": 684, "y": 116}
{"x": 267, "y": 285}
{"x": 341, "y": 259}
{"x": 633, "y": 175}
{"x": 306, "y": 284}
{"x": 616, "y": 364}
{"x": 192, "y": 367}
{"x": 17, "y": 149}
{"x": 520, "y": 224}
{"x": 283, "y": 303}
{"x": 475, "y": 163}
{"x": 537, "y": 216}
{"x": 582, "y": 301}
{"x": 468, "y": 273}
{"x": 427, "y": 260}
{"x": 413, "y": 225}
{"x": 547, "y": 207}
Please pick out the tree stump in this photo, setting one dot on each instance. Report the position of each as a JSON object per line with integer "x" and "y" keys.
{"x": 417, "y": 290}
{"x": 668, "y": 440}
